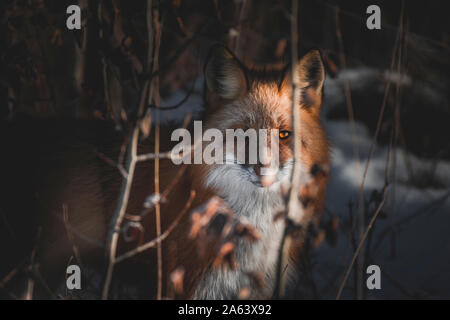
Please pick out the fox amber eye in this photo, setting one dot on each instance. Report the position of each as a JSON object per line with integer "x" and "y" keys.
{"x": 284, "y": 134}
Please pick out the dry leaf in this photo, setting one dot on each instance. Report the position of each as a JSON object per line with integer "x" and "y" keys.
{"x": 177, "y": 280}
{"x": 226, "y": 256}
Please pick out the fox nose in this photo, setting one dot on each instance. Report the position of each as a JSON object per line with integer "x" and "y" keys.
{"x": 265, "y": 174}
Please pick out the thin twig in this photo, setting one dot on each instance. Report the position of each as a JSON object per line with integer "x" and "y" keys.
{"x": 358, "y": 208}
{"x": 398, "y": 131}
{"x": 113, "y": 236}
{"x": 294, "y": 212}
{"x": 80, "y": 235}
{"x": 379, "y": 121}
{"x": 371, "y": 223}
{"x": 127, "y": 182}
{"x": 347, "y": 90}
{"x": 154, "y": 98}
{"x": 154, "y": 156}
{"x": 238, "y": 40}
{"x": 358, "y": 217}
{"x": 30, "y": 289}
{"x": 178, "y": 104}
{"x": 75, "y": 250}
{"x": 363, "y": 18}
{"x": 111, "y": 162}
{"x": 8, "y": 278}
{"x": 162, "y": 236}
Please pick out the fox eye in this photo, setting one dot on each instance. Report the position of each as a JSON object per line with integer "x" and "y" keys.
{"x": 284, "y": 134}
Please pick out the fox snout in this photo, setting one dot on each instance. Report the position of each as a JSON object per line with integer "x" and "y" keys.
{"x": 266, "y": 174}
{"x": 267, "y": 166}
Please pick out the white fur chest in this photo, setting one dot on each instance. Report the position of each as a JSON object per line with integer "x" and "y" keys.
{"x": 258, "y": 205}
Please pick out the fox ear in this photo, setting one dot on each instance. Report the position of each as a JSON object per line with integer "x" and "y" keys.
{"x": 224, "y": 74}
{"x": 311, "y": 73}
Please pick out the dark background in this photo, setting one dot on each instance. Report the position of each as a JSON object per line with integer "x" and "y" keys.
{"x": 39, "y": 55}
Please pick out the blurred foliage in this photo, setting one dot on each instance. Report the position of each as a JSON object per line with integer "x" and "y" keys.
{"x": 97, "y": 72}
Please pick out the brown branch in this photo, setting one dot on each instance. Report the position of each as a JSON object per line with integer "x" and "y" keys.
{"x": 294, "y": 211}
{"x": 359, "y": 216}
{"x": 80, "y": 235}
{"x": 387, "y": 26}
{"x": 178, "y": 104}
{"x": 242, "y": 15}
{"x": 379, "y": 121}
{"x": 119, "y": 214}
{"x": 164, "y": 155}
{"x": 70, "y": 236}
{"x": 162, "y": 236}
{"x": 154, "y": 97}
{"x": 154, "y": 156}
{"x": 347, "y": 90}
{"x": 172, "y": 184}
{"x": 80, "y": 51}
{"x": 112, "y": 163}
{"x": 162, "y": 198}
{"x": 371, "y": 223}
{"x": 8, "y": 278}
{"x": 359, "y": 208}
{"x": 113, "y": 236}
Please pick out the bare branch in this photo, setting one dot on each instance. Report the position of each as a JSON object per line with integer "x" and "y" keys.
{"x": 111, "y": 162}
{"x": 294, "y": 211}
{"x": 162, "y": 236}
{"x": 369, "y": 227}
{"x": 69, "y": 234}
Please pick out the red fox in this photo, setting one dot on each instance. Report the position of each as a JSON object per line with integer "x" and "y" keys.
{"x": 241, "y": 98}
{"x": 78, "y": 183}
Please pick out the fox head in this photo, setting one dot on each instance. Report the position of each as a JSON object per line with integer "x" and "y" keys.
{"x": 238, "y": 97}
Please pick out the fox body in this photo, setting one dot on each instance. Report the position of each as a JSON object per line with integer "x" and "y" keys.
{"x": 242, "y": 98}
{"x": 236, "y": 97}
